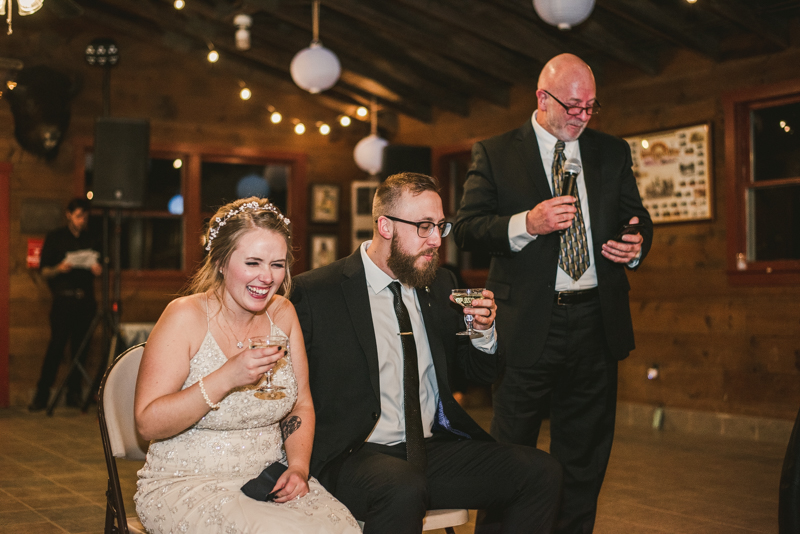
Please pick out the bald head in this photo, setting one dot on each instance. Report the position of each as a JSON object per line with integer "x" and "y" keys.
{"x": 568, "y": 79}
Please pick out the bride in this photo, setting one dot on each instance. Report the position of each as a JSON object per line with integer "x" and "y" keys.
{"x": 196, "y": 393}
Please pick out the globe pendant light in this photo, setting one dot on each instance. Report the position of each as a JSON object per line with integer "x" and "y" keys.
{"x": 563, "y": 13}
{"x": 369, "y": 151}
{"x": 24, "y": 7}
{"x": 315, "y": 68}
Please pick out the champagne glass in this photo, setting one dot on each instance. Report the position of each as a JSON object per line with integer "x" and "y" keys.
{"x": 464, "y": 298}
{"x": 266, "y": 390}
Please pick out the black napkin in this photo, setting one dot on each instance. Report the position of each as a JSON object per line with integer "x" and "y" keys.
{"x": 260, "y": 487}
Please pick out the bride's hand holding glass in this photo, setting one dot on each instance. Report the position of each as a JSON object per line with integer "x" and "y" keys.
{"x": 266, "y": 390}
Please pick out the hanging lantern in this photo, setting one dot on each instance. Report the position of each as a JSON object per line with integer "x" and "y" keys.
{"x": 24, "y": 7}
{"x": 369, "y": 151}
{"x": 315, "y": 68}
{"x": 563, "y": 13}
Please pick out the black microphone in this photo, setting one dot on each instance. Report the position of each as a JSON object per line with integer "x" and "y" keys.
{"x": 572, "y": 168}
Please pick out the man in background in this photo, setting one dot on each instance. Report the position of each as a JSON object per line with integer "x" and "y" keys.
{"x": 69, "y": 264}
{"x": 558, "y": 275}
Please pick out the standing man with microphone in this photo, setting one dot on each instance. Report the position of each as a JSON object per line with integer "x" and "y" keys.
{"x": 558, "y": 276}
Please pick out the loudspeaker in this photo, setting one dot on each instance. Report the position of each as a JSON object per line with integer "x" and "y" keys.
{"x": 405, "y": 158}
{"x": 121, "y": 152}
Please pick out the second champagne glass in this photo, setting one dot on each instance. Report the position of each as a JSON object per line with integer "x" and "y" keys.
{"x": 267, "y": 390}
{"x": 464, "y": 298}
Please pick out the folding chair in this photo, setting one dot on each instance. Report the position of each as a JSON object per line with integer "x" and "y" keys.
{"x": 118, "y": 430}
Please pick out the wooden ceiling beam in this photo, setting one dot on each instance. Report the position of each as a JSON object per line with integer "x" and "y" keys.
{"x": 435, "y": 36}
{"x": 772, "y": 30}
{"x": 649, "y": 16}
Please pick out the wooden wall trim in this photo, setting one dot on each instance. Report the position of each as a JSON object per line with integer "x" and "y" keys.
{"x": 5, "y": 190}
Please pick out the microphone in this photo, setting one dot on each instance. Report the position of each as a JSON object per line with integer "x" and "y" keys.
{"x": 572, "y": 168}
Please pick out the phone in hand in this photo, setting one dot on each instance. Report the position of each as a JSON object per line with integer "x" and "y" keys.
{"x": 628, "y": 229}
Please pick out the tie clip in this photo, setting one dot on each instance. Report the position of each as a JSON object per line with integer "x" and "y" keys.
{"x": 405, "y": 333}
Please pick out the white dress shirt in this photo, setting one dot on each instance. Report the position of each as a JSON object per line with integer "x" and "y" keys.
{"x": 518, "y": 235}
{"x": 390, "y": 429}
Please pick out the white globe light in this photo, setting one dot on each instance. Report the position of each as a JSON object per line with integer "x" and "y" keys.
{"x": 563, "y": 13}
{"x": 315, "y": 68}
{"x": 369, "y": 153}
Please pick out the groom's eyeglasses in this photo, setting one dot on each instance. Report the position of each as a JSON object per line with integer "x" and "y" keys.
{"x": 425, "y": 228}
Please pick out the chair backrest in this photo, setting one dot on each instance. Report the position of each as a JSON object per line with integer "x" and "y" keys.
{"x": 116, "y": 398}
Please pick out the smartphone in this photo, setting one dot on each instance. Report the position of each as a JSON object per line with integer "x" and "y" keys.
{"x": 628, "y": 229}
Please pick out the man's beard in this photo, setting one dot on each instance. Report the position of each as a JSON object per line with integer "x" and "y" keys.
{"x": 404, "y": 268}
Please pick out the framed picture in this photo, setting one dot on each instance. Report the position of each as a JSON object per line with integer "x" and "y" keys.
{"x": 673, "y": 172}
{"x": 324, "y": 203}
{"x": 362, "y": 193}
{"x": 323, "y": 249}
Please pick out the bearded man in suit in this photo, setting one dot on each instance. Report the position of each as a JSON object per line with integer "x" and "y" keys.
{"x": 380, "y": 333}
{"x": 558, "y": 274}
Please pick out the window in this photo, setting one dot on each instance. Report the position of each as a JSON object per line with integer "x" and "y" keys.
{"x": 762, "y": 128}
{"x": 183, "y": 189}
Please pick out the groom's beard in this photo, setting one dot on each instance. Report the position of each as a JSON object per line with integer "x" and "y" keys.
{"x": 404, "y": 268}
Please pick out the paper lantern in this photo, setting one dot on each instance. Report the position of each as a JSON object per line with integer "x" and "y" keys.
{"x": 315, "y": 68}
{"x": 369, "y": 153}
{"x": 563, "y": 13}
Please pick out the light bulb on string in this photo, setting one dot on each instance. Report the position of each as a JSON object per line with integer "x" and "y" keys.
{"x": 179, "y": 4}
{"x": 362, "y": 111}
{"x": 299, "y": 128}
{"x": 324, "y": 129}
{"x": 275, "y": 117}
{"x": 345, "y": 121}
{"x": 245, "y": 93}
{"x": 213, "y": 56}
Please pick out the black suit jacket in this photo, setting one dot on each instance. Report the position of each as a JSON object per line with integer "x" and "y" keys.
{"x": 507, "y": 177}
{"x": 334, "y": 310}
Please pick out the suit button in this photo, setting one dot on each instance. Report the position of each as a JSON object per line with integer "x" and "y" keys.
{"x": 374, "y": 416}
{"x": 350, "y": 450}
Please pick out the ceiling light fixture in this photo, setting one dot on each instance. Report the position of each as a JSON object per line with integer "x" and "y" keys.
{"x": 243, "y": 23}
{"x": 24, "y": 8}
{"x": 369, "y": 151}
{"x": 315, "y": 68}
{"x": 563, "y": 13}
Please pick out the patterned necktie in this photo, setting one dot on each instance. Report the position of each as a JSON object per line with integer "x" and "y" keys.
{"x": 574, "y": 257}
{"x": 415, "y": 437}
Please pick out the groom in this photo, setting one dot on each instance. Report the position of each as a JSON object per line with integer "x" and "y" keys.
{"x": 380, "y": 333}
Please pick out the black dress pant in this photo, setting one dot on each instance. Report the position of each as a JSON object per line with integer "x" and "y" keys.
{"x": 70, "y": 319}
{"x": 391, "y": 496}
{"x": 575, "y": 383}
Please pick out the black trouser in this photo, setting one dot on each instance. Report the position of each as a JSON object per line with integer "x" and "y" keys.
{"x": 70, "y": 318}
{"x": 382, "y": 489}
{"x": 575, "y": 382}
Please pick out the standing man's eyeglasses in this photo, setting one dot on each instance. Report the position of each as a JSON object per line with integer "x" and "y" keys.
{"x": 574, "y": 111}
{"x": 425, "y": 228}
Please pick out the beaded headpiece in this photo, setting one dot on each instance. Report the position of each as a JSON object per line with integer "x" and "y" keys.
{"x": 247, "y": 206}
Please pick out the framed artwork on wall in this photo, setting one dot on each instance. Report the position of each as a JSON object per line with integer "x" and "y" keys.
{"x": 673, "y": 172}
{"x": 362, "y": 193}
{"x": 323, "y": 249}
{"x": 324, "y": 203}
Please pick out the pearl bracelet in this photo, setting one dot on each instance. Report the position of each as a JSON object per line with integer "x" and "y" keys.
{"x": 205, "y": 396}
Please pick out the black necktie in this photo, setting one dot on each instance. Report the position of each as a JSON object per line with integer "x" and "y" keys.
{"x": 415, "y": 437}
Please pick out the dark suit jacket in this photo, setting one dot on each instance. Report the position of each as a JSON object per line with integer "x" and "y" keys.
{"x": 507, "y": 177}
{"x": 333, "y": 306}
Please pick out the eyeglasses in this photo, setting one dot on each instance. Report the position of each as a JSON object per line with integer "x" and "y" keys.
{"x": 575, "y": 111}
{"x": 425, "y": 228}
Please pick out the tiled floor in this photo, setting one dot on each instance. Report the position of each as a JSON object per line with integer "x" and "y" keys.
{"x": 53, "y": 480}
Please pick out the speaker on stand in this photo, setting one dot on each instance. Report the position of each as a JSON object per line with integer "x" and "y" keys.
{"x": 120, "y": 169}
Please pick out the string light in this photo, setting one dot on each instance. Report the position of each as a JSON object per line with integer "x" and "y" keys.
{"x": 179, "y": 4}
{"x": 177, "y": 164}
{"x": 213, "y": 56}
{"x": 324, "y": 129}
{"x": 299, "y": 128}
{"x": 275, "y": 117}
{"x": 245, "y": 93}
{"x": 362, "y": 111}
{"x": 345, "y": 121}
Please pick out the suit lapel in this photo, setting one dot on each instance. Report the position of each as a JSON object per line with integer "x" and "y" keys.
{"x": 432, "y": 329}
{"x": 528, "y": 149}
{"x": 590, "y": 158}
{"x": 354, "y": 288}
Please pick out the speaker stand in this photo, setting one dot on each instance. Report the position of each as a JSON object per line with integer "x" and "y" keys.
{"x": 107, "y": 315}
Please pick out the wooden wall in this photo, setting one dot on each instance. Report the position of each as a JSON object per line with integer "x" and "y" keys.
{"x": 186, "y": 102}
{"x": 719, "y": 347}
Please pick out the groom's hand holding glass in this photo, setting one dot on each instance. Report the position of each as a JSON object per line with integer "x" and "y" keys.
{"x": 483, "y": 310}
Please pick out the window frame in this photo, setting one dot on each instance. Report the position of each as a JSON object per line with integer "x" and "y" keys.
{"x": 193, "y": 155}
{"x": 738, "y": 106}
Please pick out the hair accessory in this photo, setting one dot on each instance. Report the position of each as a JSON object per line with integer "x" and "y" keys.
{"x": 205, "y": 396}
{"x": 247, "y": 206}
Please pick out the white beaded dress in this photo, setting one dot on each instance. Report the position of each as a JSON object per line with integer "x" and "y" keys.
{"x": 191, "y": 482}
